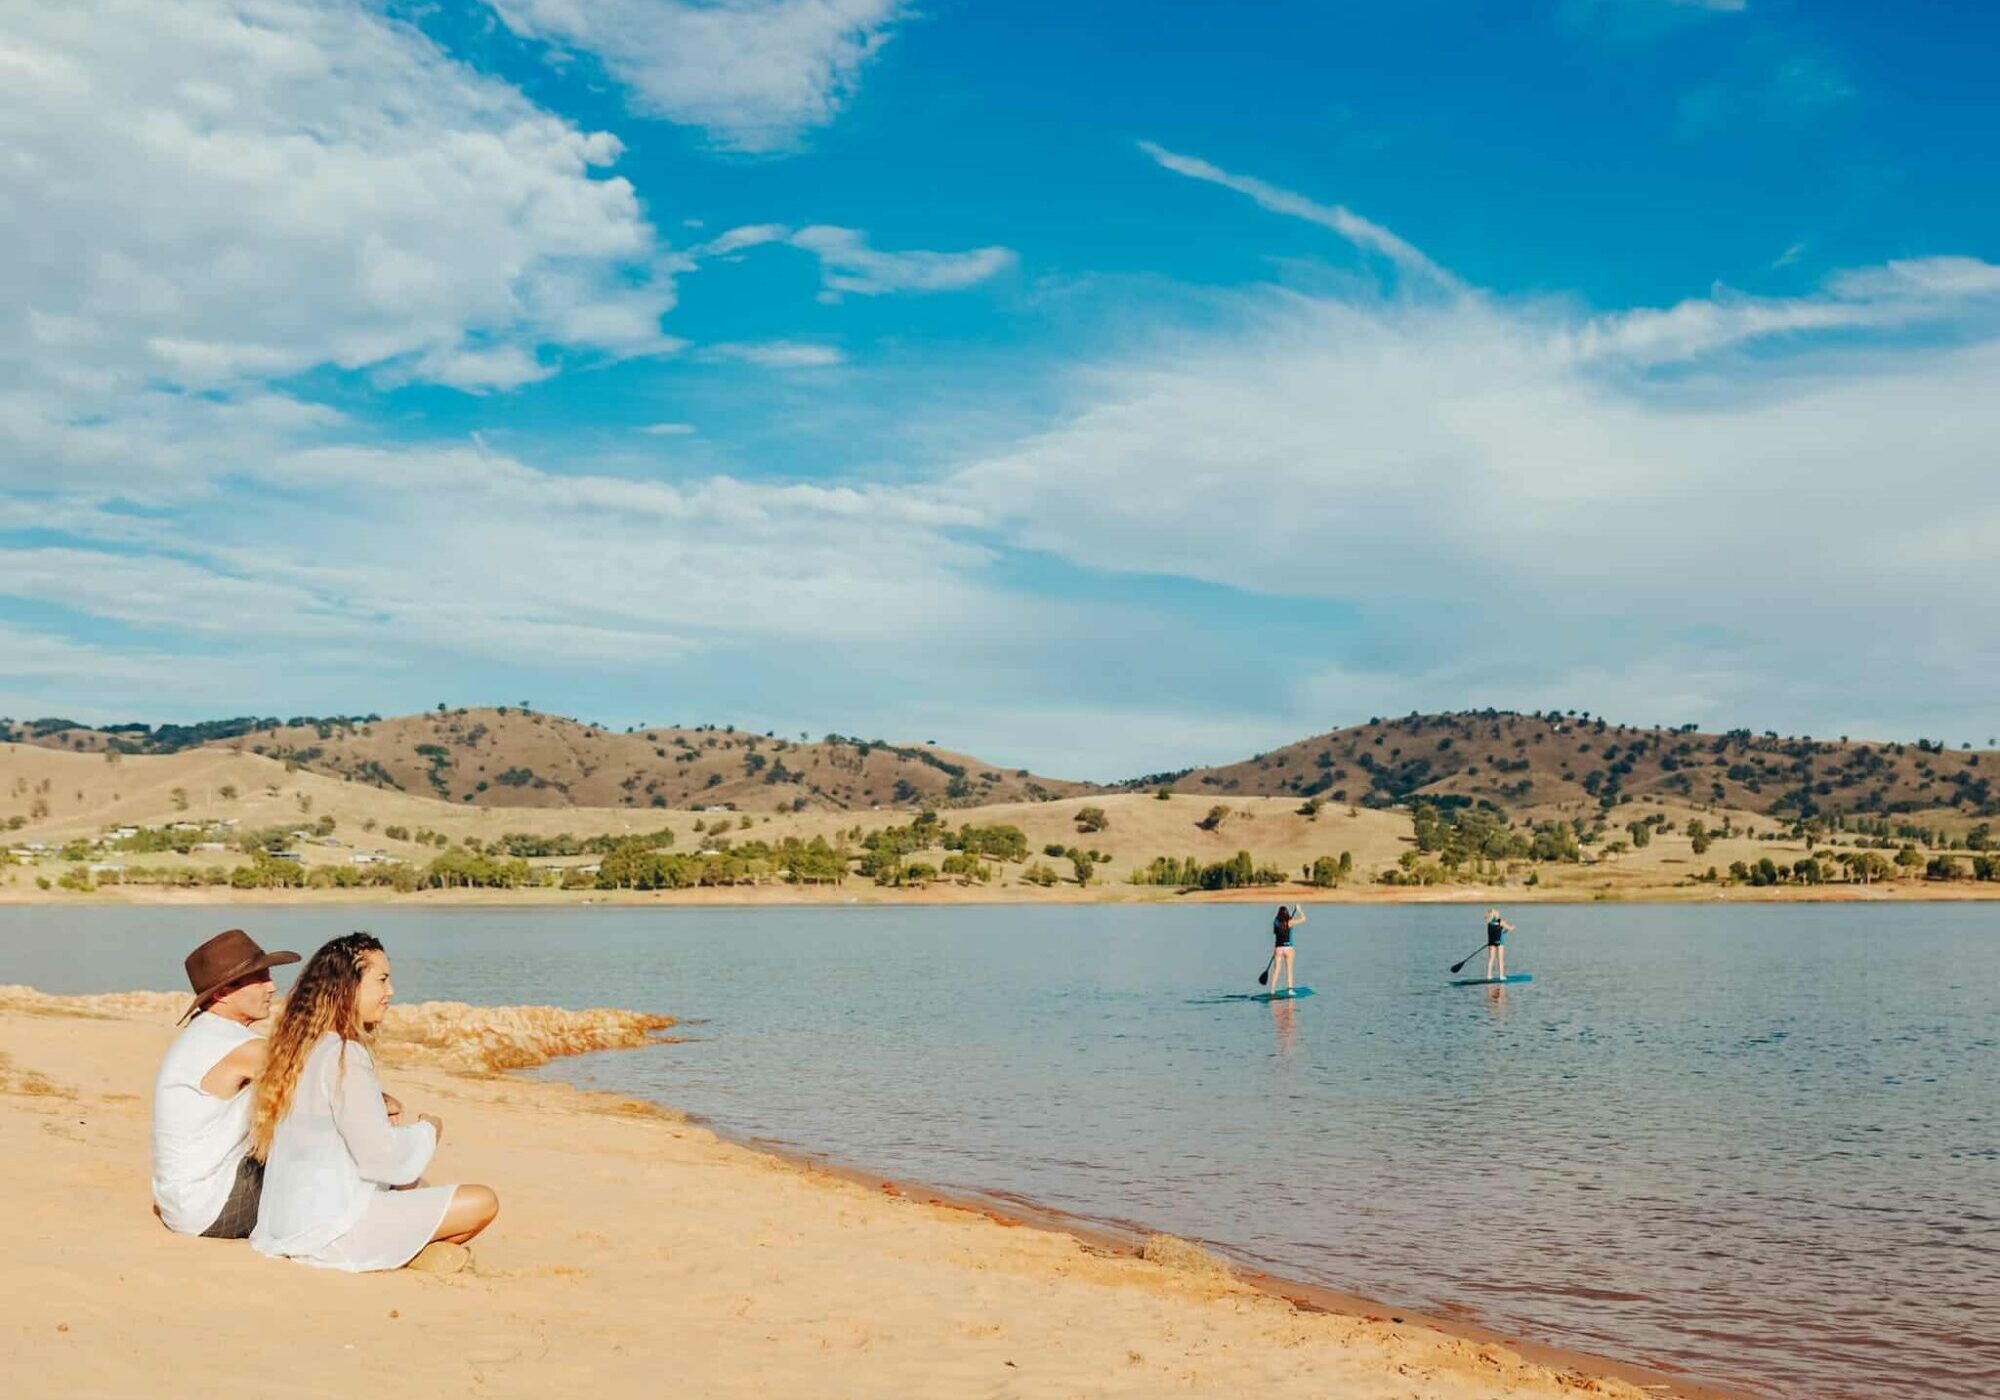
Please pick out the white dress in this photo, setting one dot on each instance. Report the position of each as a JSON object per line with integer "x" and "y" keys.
{"x": 334, "y": 1158}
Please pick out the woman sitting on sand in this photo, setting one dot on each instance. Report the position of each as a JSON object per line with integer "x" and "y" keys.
{"x": 332, "y": 1160}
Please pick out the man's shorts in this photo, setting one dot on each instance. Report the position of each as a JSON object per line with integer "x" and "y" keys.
{"x": 239, "y": 1212}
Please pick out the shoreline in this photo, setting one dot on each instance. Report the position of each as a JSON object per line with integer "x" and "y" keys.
{"x": 867, "y": 896}
{"x": 1129, "y": 1240}
{"x": 711, "y": 1207}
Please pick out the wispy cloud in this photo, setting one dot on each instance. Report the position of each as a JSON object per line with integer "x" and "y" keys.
{"x": 1797, "y": 92}
{"x": 668, "y": 429}
{"x": 776, "y": 354}
{"x": 849, "y": 266}
{"x": 1442, "y": 467}
{"x": 1362, "y": 233}
{"x": 755, "y": 74}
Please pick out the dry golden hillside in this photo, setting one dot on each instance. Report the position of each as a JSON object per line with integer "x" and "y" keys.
{"x": 61, "y": 795}
{"x": 509, "y": 757}
{"x": 58, "y": 796}
{"x": 1550, "y": 765}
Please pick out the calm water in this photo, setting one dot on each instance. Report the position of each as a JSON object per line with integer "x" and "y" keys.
{"x": 1762, "y": 1144}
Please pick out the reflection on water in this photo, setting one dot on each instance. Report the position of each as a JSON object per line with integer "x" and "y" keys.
{"x": 1772, "y": 1157}
{"x": 1285, "y": 1020}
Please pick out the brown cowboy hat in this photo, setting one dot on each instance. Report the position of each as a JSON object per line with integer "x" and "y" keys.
{"x": 229, "y": 955}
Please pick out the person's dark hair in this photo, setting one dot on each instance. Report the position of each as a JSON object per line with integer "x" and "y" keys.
{"x": 1284, "y": 913}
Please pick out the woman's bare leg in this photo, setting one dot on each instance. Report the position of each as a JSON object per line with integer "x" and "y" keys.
{"x": 1502, "y": 951}
{"x": 471, "y": 1210}
{"x": 1288, "y": 971}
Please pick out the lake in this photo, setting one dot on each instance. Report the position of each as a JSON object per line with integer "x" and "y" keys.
{"x": 1757, "y": 1143}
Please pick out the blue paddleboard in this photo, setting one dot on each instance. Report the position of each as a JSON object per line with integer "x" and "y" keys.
{"x": 1492, "y": 981}
{"x": 1289, "y": 994}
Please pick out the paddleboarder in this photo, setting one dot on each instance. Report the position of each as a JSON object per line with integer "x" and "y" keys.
{"x": 1281, "y": 946}
{"x": 1497, "y": 930}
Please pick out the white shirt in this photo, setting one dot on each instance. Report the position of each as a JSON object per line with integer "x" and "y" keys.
{"x": 332, "y": 1152}
{"x": 198, "y": 1139}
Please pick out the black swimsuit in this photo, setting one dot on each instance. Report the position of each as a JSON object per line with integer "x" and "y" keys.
{"x": 1281, "y": 930}
{"x": 1496, "y": 933}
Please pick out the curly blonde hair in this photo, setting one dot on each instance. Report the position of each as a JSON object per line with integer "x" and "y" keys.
{"x": 322, "y": 1000}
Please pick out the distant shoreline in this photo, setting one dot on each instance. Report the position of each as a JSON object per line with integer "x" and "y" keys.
{"x": 864, "y": 895}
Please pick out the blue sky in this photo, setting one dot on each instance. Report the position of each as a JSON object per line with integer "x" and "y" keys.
{"x": 1099, "y": 388}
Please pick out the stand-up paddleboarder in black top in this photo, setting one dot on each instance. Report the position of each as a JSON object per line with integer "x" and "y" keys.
{"x": 1497, "y": 930}
{"x": 1281, "y": 947}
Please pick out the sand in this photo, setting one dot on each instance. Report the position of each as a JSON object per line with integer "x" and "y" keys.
{"x": 635, "y": 1253}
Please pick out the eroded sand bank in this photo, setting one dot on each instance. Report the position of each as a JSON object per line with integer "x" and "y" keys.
{"x": 635, "y": 1254}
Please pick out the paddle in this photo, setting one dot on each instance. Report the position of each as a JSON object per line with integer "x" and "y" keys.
{"x": 1468, "y": 957}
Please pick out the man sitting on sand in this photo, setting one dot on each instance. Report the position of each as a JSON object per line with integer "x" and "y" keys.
{"x": 204, "y": 1180}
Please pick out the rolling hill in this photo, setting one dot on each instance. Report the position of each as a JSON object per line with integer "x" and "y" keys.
{"x": 510, "y": 757}
{"x": 1532, "y": 766}
{"x": 1545, "y": 765}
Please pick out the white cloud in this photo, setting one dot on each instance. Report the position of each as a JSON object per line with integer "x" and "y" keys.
{"x": 216, "y": 193}
{"x": 848, "y": 265}
{"x": 1362, "y": 233}
{"x": 776, "y": 354}
{"x": 465, "y": 553}
{"x": 1938, "y": 279}
{"x": 737, "y": 240}
{"x": 756, "y": 74}
{"x": 155, "y": 590}
{"x": 668, "y": 429}
{"x": 1494, "y": 483}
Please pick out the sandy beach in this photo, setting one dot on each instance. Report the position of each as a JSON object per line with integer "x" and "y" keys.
{"x": 634, "y": 1251}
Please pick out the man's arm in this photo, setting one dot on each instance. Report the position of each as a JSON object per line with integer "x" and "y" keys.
{"x": 225, "y": 1080}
